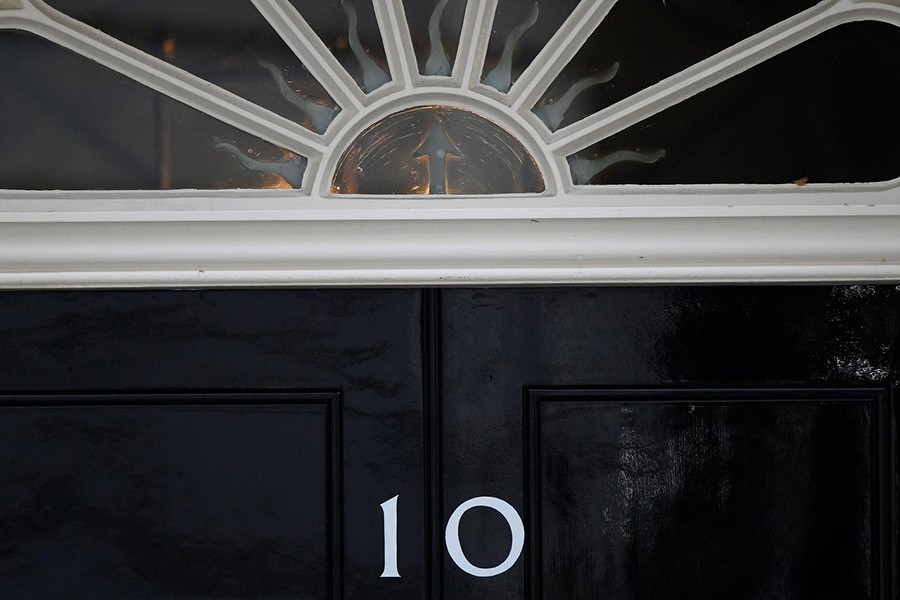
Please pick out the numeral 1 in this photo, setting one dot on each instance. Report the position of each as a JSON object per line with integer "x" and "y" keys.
{"x": 389, "y": 509}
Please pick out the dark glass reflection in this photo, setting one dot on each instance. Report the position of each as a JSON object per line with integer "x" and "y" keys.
{"x": 226, "y": 43}
{"x": 435, "y": 27}
{"x": 521, "y": 30}
{"x": 350, "y": 30}
{"x": 68, "y": 123}
{"x": 645, "y": 41}
{"x": 436, "y": 150}
{"x": 823, "y": 112}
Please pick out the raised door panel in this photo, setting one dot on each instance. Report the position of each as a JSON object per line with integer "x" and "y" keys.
{"x": 672, "y": 442}
{"x": 152, "y": 496}
{"x": 200, "y": 444}
{"x": 713, "y": 493}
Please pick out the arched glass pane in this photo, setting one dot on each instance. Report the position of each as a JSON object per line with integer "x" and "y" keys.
{"x": 521, "y": 30}
{"x": 823, "y": 112}
{"x": 350, "y": 30}
{"x": 226, "y": 43}
{"x": 641, "y": 42}
{"x": 435, "y": 26}
{"x": 68, "y": 123}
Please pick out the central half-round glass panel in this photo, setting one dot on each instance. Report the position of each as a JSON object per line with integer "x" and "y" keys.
{"x": 436, "y": 150}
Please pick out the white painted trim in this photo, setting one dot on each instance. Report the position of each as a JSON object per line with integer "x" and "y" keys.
{"x": 476, "y": 250}
{"x": 569, "y": 235}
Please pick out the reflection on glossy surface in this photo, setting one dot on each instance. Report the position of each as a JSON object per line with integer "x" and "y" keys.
{"x": 826, "y": 114}
{"x": 364, "y": 343}
{"x": 70, "y": 124}
{"x": 705, "y": 493}
{"x": 692, "y": 442}
{"x": 650, "y": 499}
{"x": 436, "y": 150}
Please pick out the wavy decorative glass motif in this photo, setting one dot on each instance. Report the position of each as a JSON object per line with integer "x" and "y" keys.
{"x": 447, "y": 97}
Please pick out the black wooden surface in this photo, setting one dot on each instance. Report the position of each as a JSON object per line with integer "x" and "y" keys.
{"x": 714, "y": 493}
{"x": 363, "y": 345}
{"x": 499, "y": 344}
{"x": 657, "y": 442}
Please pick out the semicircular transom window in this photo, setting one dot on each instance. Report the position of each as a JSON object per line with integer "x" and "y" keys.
{"x": 448, "y": 98}
{"x": 436, "y": 150}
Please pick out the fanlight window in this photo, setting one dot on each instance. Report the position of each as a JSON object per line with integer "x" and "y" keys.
{"x": 447, "y": 97}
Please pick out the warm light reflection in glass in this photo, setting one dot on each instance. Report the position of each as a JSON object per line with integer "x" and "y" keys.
{"x": 274, "y": 182}
{"x": 436, "y": 150}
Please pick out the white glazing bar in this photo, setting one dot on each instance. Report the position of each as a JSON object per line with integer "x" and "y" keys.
{"x": 312, "y": 52}
{"x": 561, "y": 49}
{"x": 716, "y": 69}
{"x": 473, "y": 41}
{"x": 398, "y": 44}
{"x": 36, "y": 17}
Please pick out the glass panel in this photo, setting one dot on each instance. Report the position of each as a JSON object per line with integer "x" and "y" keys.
{"x": 435, "y": 26}
{"x": 641, "y": 42}
{"x": 824, "y": 112}
{"x": 350, "y": 30}
{"x": 226, "y": 43}
{"x": 521, "y": 30}
{"x": 436, "y": 150}
{"x": 68, "y": 123}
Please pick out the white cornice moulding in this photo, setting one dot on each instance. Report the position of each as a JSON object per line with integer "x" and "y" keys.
{"x": 570, "y": 234}
{"x": 858, "y": 244}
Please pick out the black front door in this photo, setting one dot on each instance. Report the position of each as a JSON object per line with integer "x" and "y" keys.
{"x": 701, "y": 443}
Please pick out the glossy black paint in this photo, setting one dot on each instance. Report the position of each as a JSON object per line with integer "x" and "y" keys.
{"x": 714, "y": 493}
{"x": 498, "y": 344}
{"x": 366, "y": 345}
{"x": 658, "y": 442}
{"x": 160, "y": 496}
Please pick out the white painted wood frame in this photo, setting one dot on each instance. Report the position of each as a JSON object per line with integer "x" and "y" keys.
{"x": 570, "y": 234}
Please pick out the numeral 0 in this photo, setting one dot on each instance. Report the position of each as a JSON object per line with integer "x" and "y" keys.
{"x": 451, "y": 536}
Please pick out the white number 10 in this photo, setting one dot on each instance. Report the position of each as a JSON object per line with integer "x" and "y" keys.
{"x": 451, "y": 536}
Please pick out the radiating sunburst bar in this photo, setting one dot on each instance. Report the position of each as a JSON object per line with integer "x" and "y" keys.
{"x": 717, "y": 69}
{"x": 37, "y": 17}
{"x": 398, "y": 44}
{"x": 558, "y": 52}
{"x": 473, "y": 41}
{"x": 312, "y": 52}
